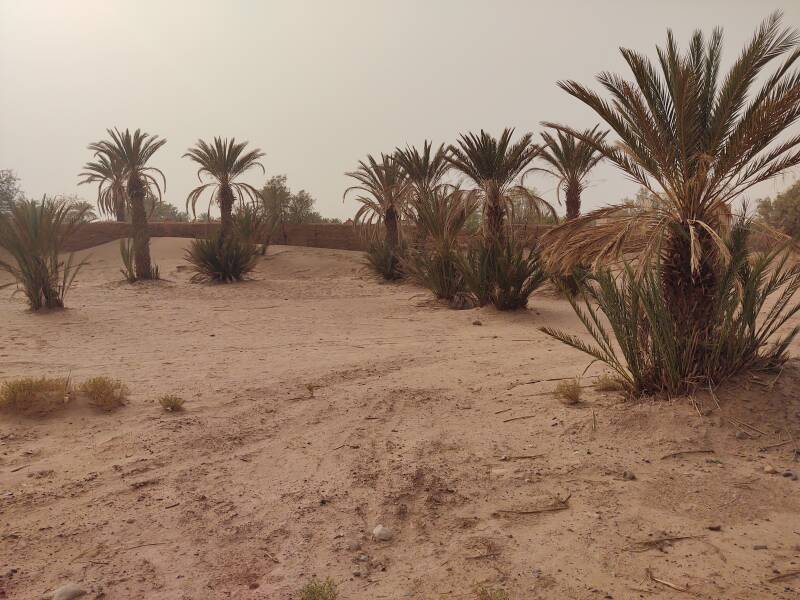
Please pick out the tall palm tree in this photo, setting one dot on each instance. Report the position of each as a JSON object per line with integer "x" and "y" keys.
{"x": 425, "y": 171}
{"x": 109, "y": 174}
{"x": 697, "y": 142}
{"x": 224, "y": 161}
{"x": 494, "y": 166}
{"x": 133, "y": 151}
{"x": 382, "y": 192}
{"x": 570, "y": 159}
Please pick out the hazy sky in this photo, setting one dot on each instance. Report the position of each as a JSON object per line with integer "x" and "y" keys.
{"x": 317, "y": 85}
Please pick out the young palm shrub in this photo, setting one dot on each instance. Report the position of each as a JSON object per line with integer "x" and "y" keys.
{"x": 221, "y": 259}
{"x": 108, "y": 172}
{"x": 504, "y": 274}
{"x": 133, "y": 151}
{"x": 441, "y": 215}
{"x": 224, "y": 161}
{"x": 696, "y": 141}
{"x": 34, "y": 234}
{"x": 752, "y": 302}
{"x": 382, "y": 192}
{"x": 126, "y": 254}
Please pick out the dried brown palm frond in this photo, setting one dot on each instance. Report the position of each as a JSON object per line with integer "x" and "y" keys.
{"x": 223, "y": 161}
{"x": 570, "y": 160}
{"x": 494, "y": 166}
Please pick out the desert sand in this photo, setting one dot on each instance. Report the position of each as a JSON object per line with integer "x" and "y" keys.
{"x": 321, "y": 403}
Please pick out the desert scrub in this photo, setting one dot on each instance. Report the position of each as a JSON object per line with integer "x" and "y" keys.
{"x": 483, "y": 593}
{"x": 171, "y": 403}
{"x": 105, "y": 393}
{"x": 569, "y": 391}
{"x": 34, "y": 395}
{"x": 221, "y": 260}
{"x": 319, "y": 590}
{"x": 607, "y": 383}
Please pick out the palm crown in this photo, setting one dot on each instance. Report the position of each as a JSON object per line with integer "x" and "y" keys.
{"x": 382, "y": 188}
{"x": 570, "y": 159}
{"x": 223, "y": 161}
{"x": 130, "y": 152}
{"x": 109, "y": 174}
{"x": 695, "y": 140}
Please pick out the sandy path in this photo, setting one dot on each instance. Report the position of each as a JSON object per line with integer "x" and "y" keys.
{"x": 259, "y": 485}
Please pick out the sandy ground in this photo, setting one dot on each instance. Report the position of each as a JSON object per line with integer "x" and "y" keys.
{"x": 260, "y": 484}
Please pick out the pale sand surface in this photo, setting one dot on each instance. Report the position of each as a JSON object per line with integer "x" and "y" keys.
{"x": 257, "y": 485}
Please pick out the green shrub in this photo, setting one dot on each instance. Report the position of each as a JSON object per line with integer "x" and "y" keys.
{"x": 34, "y": 396}
{"x": 436, "y": 269}
{"x": 751, "y": 303}
{"x": 502, "y": 273}
{"x": 221, "y": 260}
{"x": 382, "y": 260}
{"x": 105, "y": 393}
{"x": 319, "y": 590}
{"x": 34, "y": 233}
{"x": 126, "y": 253}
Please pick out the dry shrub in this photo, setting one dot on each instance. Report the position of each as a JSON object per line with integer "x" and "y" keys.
{"x": 105, "y": 393}
{"x": 608, "y": 383}
{"x": 569, "y": 391}
{"x": 319, "y": 590}
{"x": 171, "y": 403}
{"x": 484, "y": 593}
{"x": 33, "y": 396}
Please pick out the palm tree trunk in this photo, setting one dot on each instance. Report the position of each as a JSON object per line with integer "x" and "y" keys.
{"x": 226, "y": 212}
{"x": 573, "y": 200}
{"x": 690, "y": 297}
{"x": 120, "y": 213}
{"x": 141, "y": 236}
{"x": 392, "y": 236}
{"x": 495, "y": 216}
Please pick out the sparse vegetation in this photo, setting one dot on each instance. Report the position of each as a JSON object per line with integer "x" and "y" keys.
{"x": 34, "y": 234}
{"x": 384, "y": 260}
{"x": 171, "y": 402}
{"x": 219, "y": 260}
{"x": 34, "y": 396}
{"x": 126, "y": 254}
{"x": 105, "y": 393}
{"x": 319, "y": 590}
{"x": 568, "y": 391}
{"x": 484, "y": 593}
{"x": 608, "y": 383}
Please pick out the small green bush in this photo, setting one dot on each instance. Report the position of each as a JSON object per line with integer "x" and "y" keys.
{"x": 436, "y": 269}
{"x": 221, "y": 260}
{"x": 105, "y": 393}
{"x": 34, "y": 395}
{"x": 126, "y": 253}
{"x": 319, "y": 590}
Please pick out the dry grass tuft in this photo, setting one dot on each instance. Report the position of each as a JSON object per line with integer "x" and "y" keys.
{"x": 569, "y": 391}
{"x": 319, "y": 590}
{"x": 33, "y": 396}
{"x": 608, "y": 383}
{"x": 171, "y": 403}
{"x": 483, "y": 593}
{"x": 105, "y": 393}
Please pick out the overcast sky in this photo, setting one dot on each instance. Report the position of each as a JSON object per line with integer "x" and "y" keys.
{"x": 318, "y": 84}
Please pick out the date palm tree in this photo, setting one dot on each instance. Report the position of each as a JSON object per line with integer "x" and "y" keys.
{"x": 382, "y": 190}
{"x": 695, "y": 140}
{"x": 133, "y": 151}
{"x": 224, "y": 161}
{"x": 425, "y": 172}
{"x": 570, "y": 159}
{"x": 494, "y": 166}
{"x": 109, "y": 174}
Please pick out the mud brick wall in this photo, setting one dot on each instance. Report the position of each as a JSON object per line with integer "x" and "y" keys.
{"x": 323, "y": 235}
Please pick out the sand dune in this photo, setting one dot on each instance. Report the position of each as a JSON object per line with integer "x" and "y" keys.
{"x": 321, "y": 403}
